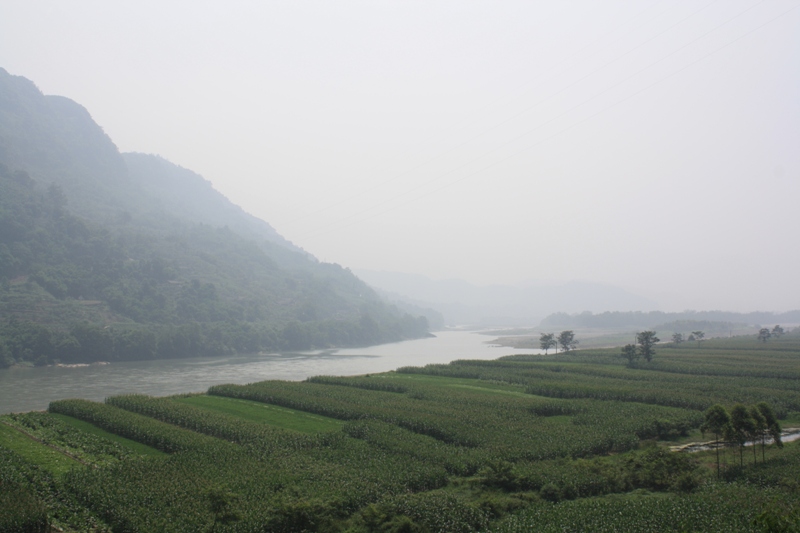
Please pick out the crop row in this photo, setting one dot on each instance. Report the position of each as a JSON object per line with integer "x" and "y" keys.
{"x": 272, "y": 490}
{"x": 286, "y": 492}
{"x": 143, "y": 429}
{"x": 263, "y": 437}
{"x": 502, "y": 426}
{"x": 573, "y": 380}
{"x": 85, "y": 446}
{"x": 716, "y": 508}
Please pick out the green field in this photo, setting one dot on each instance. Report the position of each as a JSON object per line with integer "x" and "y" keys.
{"x": 35, "y": 452}
{"x": 136, "y": 448}
{"x": 567, "y": 442}
{"x": 268, "y": 414}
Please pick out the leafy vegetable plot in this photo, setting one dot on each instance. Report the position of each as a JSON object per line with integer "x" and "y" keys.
{"x": 35, "y": 452}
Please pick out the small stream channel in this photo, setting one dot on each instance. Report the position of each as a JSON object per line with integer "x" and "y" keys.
{"x": 787, "y": 435}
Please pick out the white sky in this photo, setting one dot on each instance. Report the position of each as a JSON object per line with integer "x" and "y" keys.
{"x": 651, "y": 145}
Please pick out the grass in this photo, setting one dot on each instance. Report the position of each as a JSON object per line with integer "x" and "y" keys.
{"x": 265, "y": 413}
{"x": 792, "y": 420}
{"x": 135, "y": 447}
{"x": 35, "y": 452}
{"x": 464, "y": 383}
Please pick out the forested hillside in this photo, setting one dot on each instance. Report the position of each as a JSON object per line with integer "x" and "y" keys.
{"x": 105, "y": 256}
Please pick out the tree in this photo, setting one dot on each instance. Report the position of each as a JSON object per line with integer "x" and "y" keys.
{"x": 697, "y": 336}
{"x": 547, "y": 341}
{"x": 740, "y": 428}
{"x": 677, "y": 338}
{"x": 773, "y": 426}
{"x": 647, "y": 341}
{"x": 629, "y": 352}
{"x": 777, "y": 331}
{"x": 758, "y": 431}
{"x": 567, "y": 340}
{"x": 764, "y": 334}
{"x": 717, "y": 422}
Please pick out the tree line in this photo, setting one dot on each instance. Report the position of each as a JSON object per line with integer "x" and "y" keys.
{"x": 26, "y": 342}
{"x": 756, "y": 424}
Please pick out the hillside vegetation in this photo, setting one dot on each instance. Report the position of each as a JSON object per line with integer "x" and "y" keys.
{"x": 574, "y": 442}
{"x": 105, "y": 256}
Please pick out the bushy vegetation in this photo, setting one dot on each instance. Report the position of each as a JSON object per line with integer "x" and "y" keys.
{"x": 469, "y": 446}
{"x": 714, "y": 509}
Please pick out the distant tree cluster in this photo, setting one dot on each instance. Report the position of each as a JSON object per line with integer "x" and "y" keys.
{"x": 696, "y": 336}
{"x": 565, "y": 339}
{"x": 644, "y": 348}
{"x": 764, "y": 334}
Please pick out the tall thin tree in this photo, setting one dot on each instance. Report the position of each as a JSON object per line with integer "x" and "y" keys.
{"x": 717, "y": 421}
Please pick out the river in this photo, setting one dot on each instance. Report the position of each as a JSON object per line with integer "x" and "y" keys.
{"x": 28, "y": 389}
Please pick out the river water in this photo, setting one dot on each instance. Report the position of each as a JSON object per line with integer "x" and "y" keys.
{"x": 28, "y": 389}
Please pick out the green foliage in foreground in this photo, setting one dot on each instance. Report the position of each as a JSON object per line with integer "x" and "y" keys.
{"x": 32, "y": 487}
{"x": 462, "y": 447}
{"x": 22, "y": 512}
{"x": 716, "y": 508}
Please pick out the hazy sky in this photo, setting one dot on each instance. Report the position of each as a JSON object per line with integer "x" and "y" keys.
{"x": 651, "y": 145}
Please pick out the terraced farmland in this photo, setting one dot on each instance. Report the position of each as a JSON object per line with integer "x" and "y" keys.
{"x": 571, "y": 442}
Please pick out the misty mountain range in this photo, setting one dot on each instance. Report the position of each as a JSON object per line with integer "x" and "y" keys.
{"x": 107, "y": 256}
{"x": 463, "y": 303}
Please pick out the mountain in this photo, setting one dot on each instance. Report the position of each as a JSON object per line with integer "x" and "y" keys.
{"x": 106, "y": 255}
{"x": 464, "y": 303}
{"x": 685, "y": 321}
{"x": 170, "y": 185}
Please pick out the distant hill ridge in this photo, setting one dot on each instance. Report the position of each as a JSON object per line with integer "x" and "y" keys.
{"x": 672, "y": 320}
{"x": 155, "y": 249}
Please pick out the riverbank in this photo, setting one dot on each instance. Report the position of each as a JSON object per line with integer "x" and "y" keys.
{"x": 787, "y": 435}
{"x": 33, "y": 388}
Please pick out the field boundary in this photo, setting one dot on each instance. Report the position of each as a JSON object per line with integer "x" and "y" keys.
{"x": 52, "y": 447}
